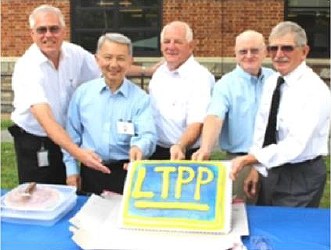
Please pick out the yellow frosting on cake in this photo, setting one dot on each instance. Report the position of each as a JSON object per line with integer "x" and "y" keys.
{"x": 137, "y": 193}
{"x": 200, "y": 181}
{"x": 181, "y": 180}
{"x": 172, "y": 205}
{"x": 166, "y": 172}
{"x": 185, "y": 176}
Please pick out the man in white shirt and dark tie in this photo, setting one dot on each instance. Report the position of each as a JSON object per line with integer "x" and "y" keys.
{"x": 291, "y": 133}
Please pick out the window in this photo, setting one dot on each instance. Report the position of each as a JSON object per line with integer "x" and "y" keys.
{"x": 140, "y": 20}
{"x": 314, "y": 17}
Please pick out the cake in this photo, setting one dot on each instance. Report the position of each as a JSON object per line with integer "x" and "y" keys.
{"x": 177, "y": 195}
{"x": 41, "y": 198}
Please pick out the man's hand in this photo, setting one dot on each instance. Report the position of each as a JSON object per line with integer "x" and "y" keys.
{"x": 43, "y": 113}
{"x": 250, "y": 183}
{"x": 239, "y": 163}
{"x": 92, "y": 160}
{"x": 201, "y": 155}
{"x": 74, "y": 180}
{"x": 135, "y": 155}
{"x": 177, "y": 152}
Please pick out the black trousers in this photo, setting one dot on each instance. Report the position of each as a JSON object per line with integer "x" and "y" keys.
{"x": 96, "y": 182}
{"x": 294, "y": 185}
{"x": 162, "y": 153}
{"x": 27, "y": 146}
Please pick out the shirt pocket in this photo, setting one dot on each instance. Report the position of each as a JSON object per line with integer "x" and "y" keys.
{"x": 177, "y": 110}
{"x": 123, "y": 139}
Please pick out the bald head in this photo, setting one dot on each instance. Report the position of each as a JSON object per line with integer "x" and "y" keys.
{"x": 250, "y": 51}
{"x": 250, "y": 35}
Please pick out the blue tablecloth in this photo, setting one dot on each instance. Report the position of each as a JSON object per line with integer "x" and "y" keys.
{"x": 282, "y": 228}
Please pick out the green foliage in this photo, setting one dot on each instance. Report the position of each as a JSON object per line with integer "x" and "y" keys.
{"x": 9, "y": 174}
{"x": 217, "y": 156}
{"x": 5, "y": 123}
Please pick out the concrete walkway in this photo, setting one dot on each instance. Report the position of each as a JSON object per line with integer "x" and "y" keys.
{"x": 5, "y": 136}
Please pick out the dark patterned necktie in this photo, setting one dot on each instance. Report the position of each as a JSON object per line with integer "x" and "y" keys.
{"x": 270, "y": 133}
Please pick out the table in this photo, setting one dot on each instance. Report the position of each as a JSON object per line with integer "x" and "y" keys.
{"x": 283, "y": 228}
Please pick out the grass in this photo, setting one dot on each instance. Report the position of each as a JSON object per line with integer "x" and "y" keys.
{"x": 5, "y": 123}
{"x": 9, "y": 177}
{"x": 9, "y": 174}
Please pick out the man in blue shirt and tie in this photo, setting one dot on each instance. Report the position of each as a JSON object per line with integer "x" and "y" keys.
{"x": 111, "y": 116}
{"x": 234, "y": 104}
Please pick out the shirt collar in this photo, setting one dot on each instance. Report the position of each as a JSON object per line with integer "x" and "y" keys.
{"x": 184, "y": 69}
{"x": 296, "y": 74}
{"x": 123, "y": 89}
{"x": 40, "y": 58}
{"x": 248, "y": 76}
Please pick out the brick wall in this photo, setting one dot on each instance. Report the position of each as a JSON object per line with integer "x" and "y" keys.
{"x": 216, "y": 23}
{"x": 15, "y": 30}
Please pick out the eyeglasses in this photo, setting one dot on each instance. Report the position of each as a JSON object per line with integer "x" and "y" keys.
{"x": 283, "y": 48}
{"x": 54, "y": 29}
{"x": 253, "y": 51}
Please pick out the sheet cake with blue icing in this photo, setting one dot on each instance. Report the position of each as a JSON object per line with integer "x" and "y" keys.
{"x": 178, "y": 195}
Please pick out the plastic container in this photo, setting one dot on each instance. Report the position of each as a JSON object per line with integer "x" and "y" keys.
{"x": 39, "y": 216}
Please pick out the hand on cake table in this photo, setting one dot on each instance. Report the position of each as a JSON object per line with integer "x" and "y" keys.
{"x": 177, "y": 152}
{"x": 201, "y": 155}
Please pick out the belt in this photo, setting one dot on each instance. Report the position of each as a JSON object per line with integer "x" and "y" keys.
{"x": 317, "y": 158}
{"x": 16, "y": 130}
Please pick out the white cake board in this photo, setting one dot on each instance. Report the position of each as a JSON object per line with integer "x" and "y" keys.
{"x": 95, "y": 227}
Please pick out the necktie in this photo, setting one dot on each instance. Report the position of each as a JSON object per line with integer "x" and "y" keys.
{"x": 270, "y": 134}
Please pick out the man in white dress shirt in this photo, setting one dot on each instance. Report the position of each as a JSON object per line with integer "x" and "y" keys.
{"x": 44, "y": 80}
{"x": 291, "y": 166}
{"x": 180, "y": 91}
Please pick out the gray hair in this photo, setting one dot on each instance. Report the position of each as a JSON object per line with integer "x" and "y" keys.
{"x": 43, "y": 9}
{"x": 288, "y": 27}
{"x": 116, "y": 38}
{"x": 188, "y": 30}
{"x": 250, "y": 33}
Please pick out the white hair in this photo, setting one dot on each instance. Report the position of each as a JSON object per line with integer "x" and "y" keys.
{"x": 288, "y": 27}
{"x": 117, "y": 38}
{"x": 44, "y": 9}
{"x": 188, "y": 30}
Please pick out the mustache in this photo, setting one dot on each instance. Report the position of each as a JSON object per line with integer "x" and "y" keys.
{"x": 280, "y": 60}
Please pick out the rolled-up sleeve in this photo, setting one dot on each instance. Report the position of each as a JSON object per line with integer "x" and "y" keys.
{"x": 74, "y": 129}
{"x": 145, "y": 132}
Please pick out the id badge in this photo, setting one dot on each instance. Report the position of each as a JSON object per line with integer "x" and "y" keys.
{"x": 125, "y": 128}
{"x": 42, "y": 157}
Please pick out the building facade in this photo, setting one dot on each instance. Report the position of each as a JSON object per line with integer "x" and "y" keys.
{"x": 215, "y": 22}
